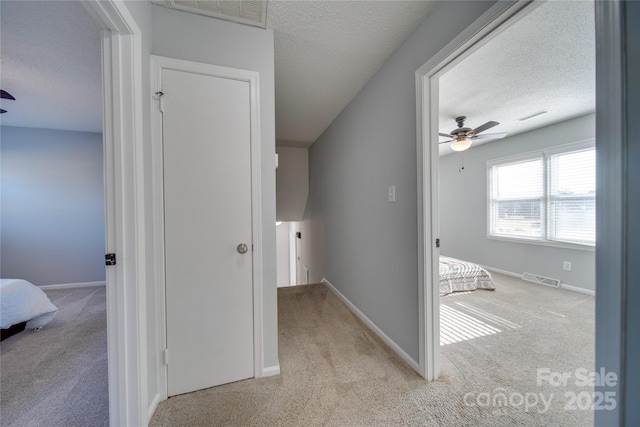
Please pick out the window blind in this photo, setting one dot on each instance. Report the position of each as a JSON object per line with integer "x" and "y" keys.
{"x": 571, "y": 201}
{"x": 517, "y": 198}
{"x": 545, "y": 196}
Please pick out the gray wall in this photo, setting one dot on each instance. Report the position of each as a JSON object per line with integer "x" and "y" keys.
{"x": 363, "y": 245}
{"x": 197, "y": 38}
{"x": 292, "y": 183}
{"x": 463, "y": 209}
{"x": 52, "y": 214}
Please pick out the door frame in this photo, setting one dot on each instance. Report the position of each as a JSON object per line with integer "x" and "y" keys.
{"x": 427, "y": 90}
{"x": 124, "y": 211}
{"x": 616, "y": 267}
{"x": 612, "y": 205}
{"x": 159, "y": 63}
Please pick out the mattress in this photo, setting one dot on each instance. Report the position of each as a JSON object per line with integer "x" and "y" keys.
{"x": 458, "y": 276}
{"x": 22, "y": 301}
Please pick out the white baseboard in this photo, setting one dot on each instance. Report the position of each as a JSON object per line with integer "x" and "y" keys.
{"x": 153, "y": 406}
{"x": 71, "y": 285}
{"x": 505, "y": 272}
{"x": 577, "y": 289}
{"x": 562, "y": 285}
{"x": 395, "y": 347}
{"x": 270, "y": 371}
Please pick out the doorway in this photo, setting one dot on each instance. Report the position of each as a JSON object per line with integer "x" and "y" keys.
{"x": 533, "y": 112}
{"x": 124, "y": 214}
{"x": 493, "y": 23}
{"x": 53, "y": 210}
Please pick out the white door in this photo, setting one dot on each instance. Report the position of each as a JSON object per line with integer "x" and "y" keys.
{"x": 207, "y": 211}
{"x": 301, "y": 270}
{"x": 293, "y": 259}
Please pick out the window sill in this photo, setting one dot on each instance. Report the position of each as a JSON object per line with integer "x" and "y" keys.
{"x": 550, "y": 243}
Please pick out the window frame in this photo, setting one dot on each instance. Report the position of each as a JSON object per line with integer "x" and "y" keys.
{"x": 544, "y": 154}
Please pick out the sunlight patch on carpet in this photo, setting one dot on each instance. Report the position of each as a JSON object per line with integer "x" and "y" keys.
{"x": 456, "y": 326}
{"x": 499, "y": 321}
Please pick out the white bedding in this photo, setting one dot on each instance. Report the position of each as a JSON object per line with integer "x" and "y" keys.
{"x": 21, "y": 301}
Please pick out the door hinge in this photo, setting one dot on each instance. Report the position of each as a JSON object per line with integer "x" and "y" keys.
{"x": 437, "y": 243}
{"x": 160, "y": 95}
{"x": 110, "y": 259}
{"x": 166, "y": 356}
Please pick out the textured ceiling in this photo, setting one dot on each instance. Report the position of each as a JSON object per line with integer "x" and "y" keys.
{"x": 325, "y": 52}
{"x": 545, "y": 61}
{"x": 51, "y": 64}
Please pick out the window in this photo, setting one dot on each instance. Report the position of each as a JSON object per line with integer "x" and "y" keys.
{"x": 517, "y": 194}
{"x": 544, "y": 197}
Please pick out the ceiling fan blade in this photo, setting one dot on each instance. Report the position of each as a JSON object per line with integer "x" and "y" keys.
{"x": 446, "y": 142}
{"x": 2, "y": 111}
{"x": 446, "y": 135}
{"x": 485, "y": 126}
{"x": 490, "y": 136}
{"x": 6, "y": 95}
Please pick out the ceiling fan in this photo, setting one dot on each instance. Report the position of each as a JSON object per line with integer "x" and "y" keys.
{"x": 5, "y": 95}
{"x": 463, "y": 137}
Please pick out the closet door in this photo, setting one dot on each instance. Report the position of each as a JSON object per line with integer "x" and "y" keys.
{"x": 208, "y": 238}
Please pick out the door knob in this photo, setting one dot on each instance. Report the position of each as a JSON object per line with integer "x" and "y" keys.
{"x": 242, "y": 248}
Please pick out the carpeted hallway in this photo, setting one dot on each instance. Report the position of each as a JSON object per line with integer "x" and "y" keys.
{"x": 336, "y": 372}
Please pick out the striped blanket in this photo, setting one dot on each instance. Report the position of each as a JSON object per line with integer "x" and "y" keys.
{"x": 457, "y": 276}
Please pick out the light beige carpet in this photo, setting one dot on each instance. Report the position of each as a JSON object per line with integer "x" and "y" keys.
{"x": 337, "y": 372}
{"x": 58, "y": 376}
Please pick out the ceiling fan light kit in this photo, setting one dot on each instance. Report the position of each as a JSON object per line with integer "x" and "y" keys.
{"x": 461, "y": 144}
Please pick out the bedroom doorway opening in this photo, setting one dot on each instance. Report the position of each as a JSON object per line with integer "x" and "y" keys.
{"x": 125, "y": 222}
{"x": 53, "y": 210}
{"x": 460, "y": 180}
{"x": 518, "y": 227}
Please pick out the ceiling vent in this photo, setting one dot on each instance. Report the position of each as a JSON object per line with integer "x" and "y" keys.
{"x": 249, "y": 12}
{"x": 531, "y": 116}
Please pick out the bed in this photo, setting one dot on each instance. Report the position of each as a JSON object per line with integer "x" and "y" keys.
{"x": 459, "y": 276}
{"x": 21, "y": 302}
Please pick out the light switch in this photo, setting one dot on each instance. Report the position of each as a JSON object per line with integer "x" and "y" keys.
{"x": 391, "y": 194}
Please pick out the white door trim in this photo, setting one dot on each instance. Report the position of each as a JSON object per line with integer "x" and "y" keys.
{"x": 159, "y": 63}
{"x": 124, "y": 211}
{"x": 427, "y": 167}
